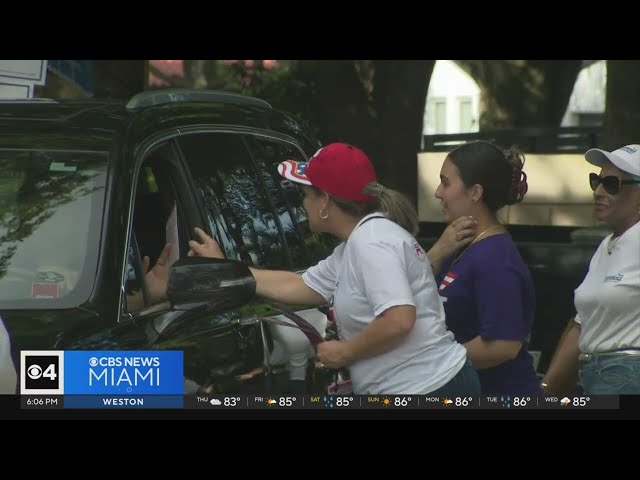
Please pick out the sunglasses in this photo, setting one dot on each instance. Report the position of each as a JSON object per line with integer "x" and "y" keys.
{"x": 611, "y": 183}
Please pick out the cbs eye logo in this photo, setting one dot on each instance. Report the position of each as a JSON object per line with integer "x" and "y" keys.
{"x": 34, "y": 372}
{"x": 41, "y": 372}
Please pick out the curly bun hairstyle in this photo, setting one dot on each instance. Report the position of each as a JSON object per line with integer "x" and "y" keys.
{"x": 519, "y": 185}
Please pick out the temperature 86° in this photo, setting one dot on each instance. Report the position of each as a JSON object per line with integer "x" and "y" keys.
{"x": 401, "y": 401}
{"x": 521, "y": 401}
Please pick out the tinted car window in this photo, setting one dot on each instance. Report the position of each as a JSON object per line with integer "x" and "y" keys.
{"x": 265, "y": 155}
{"x": 156, "y": 221}
{"x": 240, "y": 212}
{"x": 50, "y": 216}
{"x": 306, "y": 247}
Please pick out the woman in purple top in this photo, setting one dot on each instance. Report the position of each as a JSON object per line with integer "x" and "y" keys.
{"x": 486, "y": 288}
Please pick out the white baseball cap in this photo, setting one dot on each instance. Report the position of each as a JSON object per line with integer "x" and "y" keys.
{"x": 625, "y": 158}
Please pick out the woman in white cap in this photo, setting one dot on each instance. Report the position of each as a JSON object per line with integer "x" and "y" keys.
{"x": 602, "y": 343}
{"x": 390, "y": 320}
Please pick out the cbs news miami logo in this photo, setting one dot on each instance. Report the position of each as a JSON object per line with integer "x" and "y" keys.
{"x": 101, "y": 372}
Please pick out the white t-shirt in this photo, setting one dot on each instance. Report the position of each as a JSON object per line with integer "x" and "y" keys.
{"x": 8, "y": 376}
{"x": 381, "y": 266}
{"x": 608, "y": 300}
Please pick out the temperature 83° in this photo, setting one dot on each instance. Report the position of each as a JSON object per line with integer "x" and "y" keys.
{"x": 231, "y": 401}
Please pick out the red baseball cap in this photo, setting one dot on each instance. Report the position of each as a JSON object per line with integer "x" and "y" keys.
{"x": 338, "y": 168}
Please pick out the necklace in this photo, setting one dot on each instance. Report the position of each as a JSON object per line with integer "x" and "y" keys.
{"x": 611, "y": 243}
{"x": 478, "y": 237}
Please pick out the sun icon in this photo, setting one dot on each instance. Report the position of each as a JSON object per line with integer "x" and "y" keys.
{"x": 270, "y": 401}
{"x": 447, "y": 401}
{"x": 386, "y": 402}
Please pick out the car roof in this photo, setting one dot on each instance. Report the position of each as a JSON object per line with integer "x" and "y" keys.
{"x": 98, "y": 122}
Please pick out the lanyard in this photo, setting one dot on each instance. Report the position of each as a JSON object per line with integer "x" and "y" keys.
{"x": 309, "y": 330}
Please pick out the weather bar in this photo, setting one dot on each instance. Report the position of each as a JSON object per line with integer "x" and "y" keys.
{"x": 320, "y": 402}
{"x": 372, "y": 402}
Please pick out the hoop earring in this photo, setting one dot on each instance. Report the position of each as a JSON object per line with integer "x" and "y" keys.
{"x": 325, "y": 216}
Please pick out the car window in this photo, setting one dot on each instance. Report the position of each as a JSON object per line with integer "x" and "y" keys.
{"x": 155, "y": 223}
{"x": 51, "y": 206}
{"x": 134, "y": 277}
{"x": 306, "y": 248}
{"x": 241, "y": 213}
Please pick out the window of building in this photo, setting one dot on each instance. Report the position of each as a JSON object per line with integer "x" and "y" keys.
{"x": 437, "y": 115}
{"x": 465, "y": 105}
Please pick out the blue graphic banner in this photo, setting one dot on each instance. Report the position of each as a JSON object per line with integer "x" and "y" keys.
{"x": 126, "y": 373}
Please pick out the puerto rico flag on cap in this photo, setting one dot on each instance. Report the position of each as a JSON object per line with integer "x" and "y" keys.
{"x": 294, "y": 171}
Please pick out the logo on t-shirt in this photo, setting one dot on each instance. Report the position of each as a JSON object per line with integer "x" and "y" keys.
{"x": 418, "y": 249}
{"x": 448, "y": 279}
{"x": 613, "y": 278}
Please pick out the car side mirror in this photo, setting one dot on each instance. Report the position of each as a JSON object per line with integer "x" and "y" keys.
{"x": 211, "y": 283}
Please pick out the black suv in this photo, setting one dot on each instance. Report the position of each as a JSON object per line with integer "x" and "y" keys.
{"x": 88, "y": 189}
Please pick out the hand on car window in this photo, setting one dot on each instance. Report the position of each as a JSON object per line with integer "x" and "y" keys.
{"x": 208, "y": 248}
{"x": 158, "y": 276}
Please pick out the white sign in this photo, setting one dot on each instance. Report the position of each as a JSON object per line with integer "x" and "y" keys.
{"x": 23, "y": 71}
{"x": 11, "y": 91}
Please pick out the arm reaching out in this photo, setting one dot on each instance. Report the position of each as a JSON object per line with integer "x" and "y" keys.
{"x": 158, "y": 277}
{"x": 156, "y": 280}
{"x": 278, "y": 285}
{"x": 208, "y": 248}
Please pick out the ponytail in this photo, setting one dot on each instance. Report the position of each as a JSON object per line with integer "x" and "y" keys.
{"x": 395, "y": 205}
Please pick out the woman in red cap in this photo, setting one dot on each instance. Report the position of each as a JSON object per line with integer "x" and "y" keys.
{"x": 602, "y": 343}
{"x": 390, "y": 319}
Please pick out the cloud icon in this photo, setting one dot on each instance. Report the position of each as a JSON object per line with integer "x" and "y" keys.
{"x": 215, "y": 401}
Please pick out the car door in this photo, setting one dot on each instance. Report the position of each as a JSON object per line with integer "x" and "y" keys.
{"x": 218, "y": 347}
{"x": 255, "y": 220}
